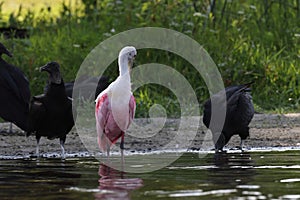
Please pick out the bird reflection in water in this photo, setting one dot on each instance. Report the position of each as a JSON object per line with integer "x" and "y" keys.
{"x": 114, "y": 184}
{"x": 232, "y": 168}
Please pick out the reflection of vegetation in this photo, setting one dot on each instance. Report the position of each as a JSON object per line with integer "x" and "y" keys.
{"x": 249, "y": 40}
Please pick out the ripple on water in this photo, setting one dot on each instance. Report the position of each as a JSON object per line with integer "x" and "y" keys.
{"x": 78, "y": 189}
{"x": 290, "y": 180}
{"x": 252, "y": 193}
{"x": 290, "y": 196}
{"x": 212, "y": 192}
{"x": 261, "y": 197}
{"x": 248, "y": 186}
{"x": 190, "y": 193}
{"x": 195, "y": 167}
{"x": 278, "y": 167}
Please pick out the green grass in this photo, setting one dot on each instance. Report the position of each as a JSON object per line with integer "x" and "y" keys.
{"x": 248, "y": 40}
{"x": 52, "y": 7}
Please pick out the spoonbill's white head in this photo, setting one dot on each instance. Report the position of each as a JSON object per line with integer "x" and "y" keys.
{"x": 126, "y": 58}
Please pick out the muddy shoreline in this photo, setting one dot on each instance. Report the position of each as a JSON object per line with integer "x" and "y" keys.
{"x": 265, "y": 131}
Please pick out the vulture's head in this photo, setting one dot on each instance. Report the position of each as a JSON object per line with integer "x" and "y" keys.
{"x": 54, "y": 74}
{"x": 3, "y": 50}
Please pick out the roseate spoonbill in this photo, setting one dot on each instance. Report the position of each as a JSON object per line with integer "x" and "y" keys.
{"x": 51, "y": 113}
{"x": 115, "y": 106}
{"x": 15, "y": 93}
{"x": 239, "y": 114}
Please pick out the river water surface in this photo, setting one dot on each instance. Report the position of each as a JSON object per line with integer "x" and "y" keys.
{"x": 235, "y": 175}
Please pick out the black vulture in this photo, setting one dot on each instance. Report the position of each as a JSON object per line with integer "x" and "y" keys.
{"x": 15, "y": 93}
{"x": 239, "y": 113}
{"x": 69, "y": 88}
{"x": 85, "y": 84}
{"x": 51, "y": 113}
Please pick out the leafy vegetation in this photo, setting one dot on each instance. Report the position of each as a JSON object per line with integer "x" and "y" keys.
{"x": 248, "y": 40}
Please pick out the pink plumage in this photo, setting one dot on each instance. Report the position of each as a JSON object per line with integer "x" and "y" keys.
{"x": 107, "y": 127}
{"x": 115, "y": 106}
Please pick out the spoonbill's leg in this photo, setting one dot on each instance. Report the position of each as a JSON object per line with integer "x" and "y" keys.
{"x": 122, "y": 150}
{"x": 107, "y": 147}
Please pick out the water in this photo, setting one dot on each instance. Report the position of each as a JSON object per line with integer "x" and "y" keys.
{"x": 236, "y": 175}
